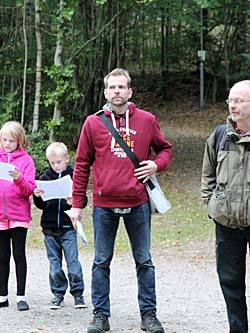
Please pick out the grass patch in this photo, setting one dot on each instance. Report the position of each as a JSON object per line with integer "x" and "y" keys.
{"x": 185, "y": 222}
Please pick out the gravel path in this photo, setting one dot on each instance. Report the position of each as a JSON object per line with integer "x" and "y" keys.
{"x": 189, "y": 298}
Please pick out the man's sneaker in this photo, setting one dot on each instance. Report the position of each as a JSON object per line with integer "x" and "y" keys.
{"x": 99, "y": 324}
{"x": 150, "y": 323}
{"x": 79, "y": 302}
{"x": 4, "y": 304}
{"x": 22, "y": 306}
{"x": 56, "y": 302}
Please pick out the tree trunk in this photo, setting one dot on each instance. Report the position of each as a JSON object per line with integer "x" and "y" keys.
{"x": 38, "y": 66}
{"x": 164, "y": 49}
{"x": 58, "y": 61}
{"x": 215, "y": 88}
{"x": 25, "y": 62}
{"x": 240, "y": 40}
{"x": 118, "y": 64}
{"x": 228, "y": 15}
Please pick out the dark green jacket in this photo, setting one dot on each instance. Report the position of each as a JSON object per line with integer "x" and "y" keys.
{"x": 225, "y": 185}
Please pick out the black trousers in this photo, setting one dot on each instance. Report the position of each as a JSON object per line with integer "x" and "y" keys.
{"x": 16, "y": 237}
{"x": 231, "y": 250}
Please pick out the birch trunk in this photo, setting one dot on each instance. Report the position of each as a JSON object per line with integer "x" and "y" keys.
{"x": 58, "y": 61}
{"x": 25, "y": 62}
{"x": 38, "y": 66}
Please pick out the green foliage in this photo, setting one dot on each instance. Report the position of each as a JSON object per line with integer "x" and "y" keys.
{"x": 9, "y": 104}
{"x": 146, "y": 36}
{"x": 62, "y": 19}
{"x": 38, "y": 143}
{"x": 53, "y": 124}
{"x": 65, "y": 89}
{"x": 101, "y": 2}
{"x": 63, "y": 131}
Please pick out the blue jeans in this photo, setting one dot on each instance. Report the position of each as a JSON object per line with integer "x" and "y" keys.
{"x": 138, "y": 225}
{"x": 56, "y": 246}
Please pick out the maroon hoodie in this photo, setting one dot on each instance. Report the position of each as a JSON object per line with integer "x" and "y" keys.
{"x": 114, "y": 183}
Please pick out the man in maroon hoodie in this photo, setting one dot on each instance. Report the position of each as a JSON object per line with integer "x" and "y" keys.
{"x": 119, "y": 191}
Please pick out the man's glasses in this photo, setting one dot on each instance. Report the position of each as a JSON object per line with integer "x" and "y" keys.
{"x": 236, "y": 101}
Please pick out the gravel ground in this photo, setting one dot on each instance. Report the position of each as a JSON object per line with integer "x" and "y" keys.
{"x": 188, "y": 293}
{"x": 189, "y": 297}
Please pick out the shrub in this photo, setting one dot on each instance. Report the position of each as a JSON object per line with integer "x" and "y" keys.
{"x": 38, "y": 143}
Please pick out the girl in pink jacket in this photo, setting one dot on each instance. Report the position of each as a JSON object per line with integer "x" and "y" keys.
{"x": 16, "y": 187}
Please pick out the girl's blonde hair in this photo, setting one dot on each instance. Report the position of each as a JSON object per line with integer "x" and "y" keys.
{"x": 16, "y": 130}
{"x": 57, "y": 148}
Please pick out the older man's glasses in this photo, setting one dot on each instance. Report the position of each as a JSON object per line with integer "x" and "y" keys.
{"x": 237, "y": 101}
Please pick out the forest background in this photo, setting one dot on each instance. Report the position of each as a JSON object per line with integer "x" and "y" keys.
{"x": 54, "y": 55}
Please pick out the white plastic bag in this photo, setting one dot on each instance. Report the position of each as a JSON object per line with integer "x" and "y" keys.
{"x": 159, "y": 204}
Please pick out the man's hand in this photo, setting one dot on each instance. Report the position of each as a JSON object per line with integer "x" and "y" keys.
{"x": 75, "y": 215}
{"x": 147, "y": 169}
{"x": 69, "y": 200}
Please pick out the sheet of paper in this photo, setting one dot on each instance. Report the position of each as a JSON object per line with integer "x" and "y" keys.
{"x": 82, "y": 233}
{"x": 55, "y": 189}
{"x": 79, "y": 229}
{"x": 4, "y": 171}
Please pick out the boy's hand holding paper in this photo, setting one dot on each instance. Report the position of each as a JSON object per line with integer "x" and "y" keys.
{"x": 55, "y": 189}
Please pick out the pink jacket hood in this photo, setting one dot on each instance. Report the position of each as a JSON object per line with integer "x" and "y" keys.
{"x": 15, "y": 200}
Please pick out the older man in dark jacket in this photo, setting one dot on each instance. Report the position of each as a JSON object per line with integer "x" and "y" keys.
{"x": 226, "y": 191}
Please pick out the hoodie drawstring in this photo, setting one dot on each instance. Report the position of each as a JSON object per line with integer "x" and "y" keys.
{"x": 114, "y": 124}
{"x": 127, "y": 121}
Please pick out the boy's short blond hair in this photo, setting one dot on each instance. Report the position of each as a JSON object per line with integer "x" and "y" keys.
{"x": 57, "y": 148}
{"x": 16, "y": 130}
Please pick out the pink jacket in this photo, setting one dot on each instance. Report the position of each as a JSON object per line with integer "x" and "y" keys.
{"x": 15, "y": 200}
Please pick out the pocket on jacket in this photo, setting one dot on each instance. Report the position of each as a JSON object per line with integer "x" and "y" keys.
{"x": 118, "y": 183}
{"x": 222, "y": 168}
{"x": 217, "y": 208}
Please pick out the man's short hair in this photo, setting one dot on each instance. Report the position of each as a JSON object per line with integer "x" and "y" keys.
{"x": 117, "y": 72}
{"x": 57, "y": 148}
